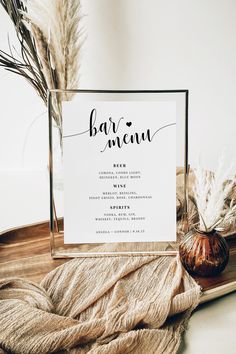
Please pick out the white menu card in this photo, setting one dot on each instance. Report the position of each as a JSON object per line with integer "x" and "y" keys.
{"x": 119, "y": 171}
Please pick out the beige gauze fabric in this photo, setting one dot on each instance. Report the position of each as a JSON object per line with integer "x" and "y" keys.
{"x": 112, "y": 305}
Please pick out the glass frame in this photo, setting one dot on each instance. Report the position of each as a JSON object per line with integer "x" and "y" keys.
{"x": 57, "y": 246}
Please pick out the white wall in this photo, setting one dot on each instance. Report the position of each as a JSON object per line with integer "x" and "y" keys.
{"x": 139, "y": 44}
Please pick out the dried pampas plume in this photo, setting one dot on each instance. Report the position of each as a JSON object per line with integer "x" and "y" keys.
{"x": 55, "y": 27}
{"x": 211, "y": 192}
{"x": 50, "y": 41}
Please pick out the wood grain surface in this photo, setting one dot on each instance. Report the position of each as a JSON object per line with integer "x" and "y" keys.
{"x": 25, "y": 253}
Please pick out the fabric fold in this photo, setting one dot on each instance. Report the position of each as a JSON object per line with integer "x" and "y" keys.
{"x": 98, "y": 306}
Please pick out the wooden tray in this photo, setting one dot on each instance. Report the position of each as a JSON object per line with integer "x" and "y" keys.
{"x": 25, "y": 253}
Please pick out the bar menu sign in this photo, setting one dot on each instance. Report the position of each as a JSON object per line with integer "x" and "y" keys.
{"x": 119, "y": 171}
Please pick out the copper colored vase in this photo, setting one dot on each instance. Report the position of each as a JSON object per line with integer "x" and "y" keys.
{"x": 204, "y": 253}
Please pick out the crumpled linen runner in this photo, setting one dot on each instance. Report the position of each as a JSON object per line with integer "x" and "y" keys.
{"x": 112, "y": 305}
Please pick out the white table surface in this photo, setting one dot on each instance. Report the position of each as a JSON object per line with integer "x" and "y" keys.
{"x": 24, "y": 199}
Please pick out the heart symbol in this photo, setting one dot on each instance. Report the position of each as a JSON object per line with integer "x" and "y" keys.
{"x": 128, "y": 124}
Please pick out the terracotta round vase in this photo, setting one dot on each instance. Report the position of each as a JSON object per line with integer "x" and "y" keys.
{"x": 204, "y": 253}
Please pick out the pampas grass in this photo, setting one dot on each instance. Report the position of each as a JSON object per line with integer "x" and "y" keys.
{"x": 55, "y": 23}
{"x": 211, "y": 192}
{"x": 49, "y": 36}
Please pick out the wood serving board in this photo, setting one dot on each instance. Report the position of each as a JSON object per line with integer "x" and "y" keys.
{"x": 25, "y": 253}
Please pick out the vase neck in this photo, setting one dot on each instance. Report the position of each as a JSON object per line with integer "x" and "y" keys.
{"x": 209, "y": 233}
